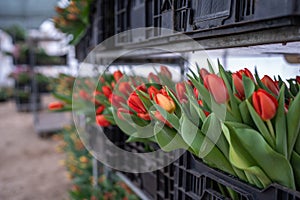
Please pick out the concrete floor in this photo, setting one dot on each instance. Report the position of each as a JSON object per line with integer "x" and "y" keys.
{"x": 29, "y": 165}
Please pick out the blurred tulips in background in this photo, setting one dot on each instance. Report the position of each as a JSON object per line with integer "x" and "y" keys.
{"x": 165, "y": 72}
{"x": 117, "y": 75}
{"x": 106, "y": 91}
{"x": 101, "y": 121}
{"x": 55, "y": 106}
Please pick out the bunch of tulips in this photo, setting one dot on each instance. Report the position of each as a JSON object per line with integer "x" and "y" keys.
{"x": 237, "y": 122}
{"x": 242, "y": 124}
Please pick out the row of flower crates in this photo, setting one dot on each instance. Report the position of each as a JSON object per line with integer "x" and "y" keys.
{"x": 207, "y": 17}
{"x": 188, "y": 178}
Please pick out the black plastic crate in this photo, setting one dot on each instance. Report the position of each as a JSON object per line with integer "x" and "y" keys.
{"x": 195, "y": 180}
{"x": 102, "y": 20}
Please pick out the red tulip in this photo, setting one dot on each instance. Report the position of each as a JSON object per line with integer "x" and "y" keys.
{"x": 152, "y": 91}
{"x": 196, "y": 93}
{"x": 298, "y": 79}
{"x": 165, "y": 101}
{"x": 94, "y": 100}
{"x": 113, "y": 84}
{"x": 123, "y": 110}
{"x": 144, "y": 116}
{"x": 84, "y": 95}
{"x": 117, "y": 75}
{"x": 162, "y": 119}
{"x": 99, "y": 110}
{"x": 102, "y": 121}
{"x": 165, "y": 71}
{"x": 135, "y": 103}
{"x": 181, "y": 92}
{"x": 116, "y": 100}
{"x": 153, "y": 78}
{"x": 55, "y": 105}
{"x": 203, "y": 72}
{"x": 125, "y": 88}
{"x": 265, "y": 104}
{"x": 106, "y": 91}
{"x": 237, "y": 78}
{"x": 217, "y": 88}
{"x": 270, "y": 84}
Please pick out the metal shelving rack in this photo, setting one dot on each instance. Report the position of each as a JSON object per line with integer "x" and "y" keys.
{"x": 280, "y": 35}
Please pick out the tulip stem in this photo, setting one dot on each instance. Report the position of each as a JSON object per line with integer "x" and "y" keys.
{"x": 271, "y": 129}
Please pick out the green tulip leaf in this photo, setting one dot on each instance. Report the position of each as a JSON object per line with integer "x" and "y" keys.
{"x": 293, "y": 123}
{"x": 295, "y": 161}
{"x": 172, "y": 118}
{"x": 211, "y": 69}
{"x": 261, "y": 160}
{"x": 203, "y": 147}
{"x": 249, "y": 86}
{"x": 280, "y": 125}
{"x": 247, "y": 119}
{"x": 168, "y": 139}
{"x": 260, "y": 125}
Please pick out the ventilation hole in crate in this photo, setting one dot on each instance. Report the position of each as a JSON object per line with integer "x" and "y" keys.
{"x": 247, "y": 9}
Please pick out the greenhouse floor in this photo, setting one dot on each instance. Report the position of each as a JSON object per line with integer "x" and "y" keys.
{"x": 29, "y": 165}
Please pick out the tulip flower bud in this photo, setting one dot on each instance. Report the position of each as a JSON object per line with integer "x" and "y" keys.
{"x": 217, "y": 88}
{"x": 270, "y": 84}
{"x": 84, "y": 95}
{"x": 181, "y": 92}
{"x": 123, "y": 110}
{"x": 99, "y": 110}
{"x": 125, "y": 88}
{"x": 164, "y": 71}
{"x": 144, "y": 116}
{"x": 265, "y": 104}
{"x": 203, "y": 72}
{"x": 117, "y": 75}
{"x": 153, "y": 78}
{"x": 116, "y": 100}
{"x": 152, "y": 91}
{"x": 135, "y": 103}
{"x": 106, "y": 91}
{"x": 196, "y": 93}
{"x": 55, "y": 105}
{"x": 165, "y": 101}
{"x": 102, "y": 121}
{"x": 237, "y": 78}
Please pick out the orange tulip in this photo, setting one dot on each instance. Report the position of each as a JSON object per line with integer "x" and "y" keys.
{"x": 217, "y": 88}
{"x": 117, "y": 75}
{"x": 165, "y": 71}
{"x": 237, "y": 78}
{"x": 102, "y": 121}
{"x": 165, "y": 101}
{"x": 270, "y": 84}
{"x": 181, "y": 92}
{"x": 152, "y": 91}
{"x": 55, "y": 105}
{"x": 144, "y": 116}
{"x": 265, "y": 104}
